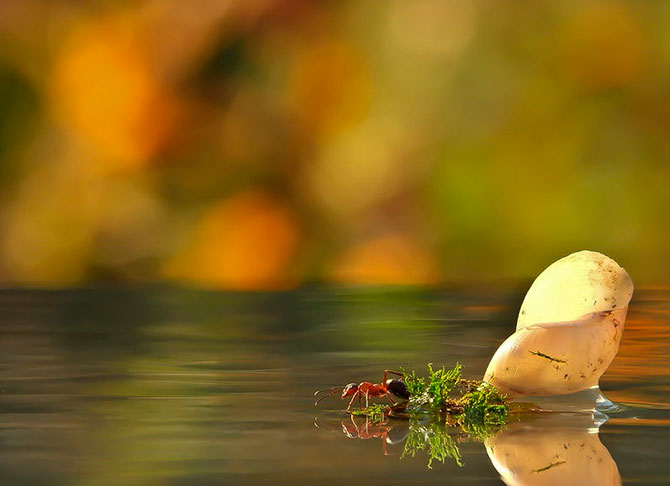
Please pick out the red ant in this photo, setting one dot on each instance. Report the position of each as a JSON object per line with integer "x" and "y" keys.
{"x": 366, "y": 389}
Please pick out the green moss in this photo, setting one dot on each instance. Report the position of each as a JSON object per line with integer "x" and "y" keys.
{"x": 485, "y": 410}
{"x": 433, "y": 392}
{"x": 475, "y": 405}
{"x": 442, "y": 383}
{"x": 376, "y": 413}
{"x": 485, "y": 405}
{"x": 416, "y": 385}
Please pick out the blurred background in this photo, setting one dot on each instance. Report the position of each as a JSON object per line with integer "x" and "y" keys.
{"x": 266, "y": 144}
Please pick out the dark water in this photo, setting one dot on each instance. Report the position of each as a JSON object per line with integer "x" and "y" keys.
{"x": 182, "y": 387}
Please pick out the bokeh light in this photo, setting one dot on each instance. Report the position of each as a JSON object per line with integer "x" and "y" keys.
{"x": 270, "y": 144}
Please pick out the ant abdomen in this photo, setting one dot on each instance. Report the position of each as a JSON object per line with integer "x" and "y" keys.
{"x": 398, "y": 388}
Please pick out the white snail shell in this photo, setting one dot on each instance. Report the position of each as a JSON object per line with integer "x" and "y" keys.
{"x": 569, "y": 328}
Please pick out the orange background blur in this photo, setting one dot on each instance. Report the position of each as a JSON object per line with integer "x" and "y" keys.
{"x": 263, "y": 144}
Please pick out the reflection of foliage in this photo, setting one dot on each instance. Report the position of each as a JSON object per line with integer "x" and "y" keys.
{"x": 435, "y": 440}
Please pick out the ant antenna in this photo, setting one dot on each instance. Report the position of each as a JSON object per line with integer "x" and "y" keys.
{"x": 331, "y": 392}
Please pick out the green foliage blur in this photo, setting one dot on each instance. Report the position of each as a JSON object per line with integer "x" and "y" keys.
{"x": 270, "y": 143}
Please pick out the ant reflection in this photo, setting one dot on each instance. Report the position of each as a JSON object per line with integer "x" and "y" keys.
{"x": 438, "y": 441}
{"x": 391, "y": 432}
{"x": 384, "y": 431}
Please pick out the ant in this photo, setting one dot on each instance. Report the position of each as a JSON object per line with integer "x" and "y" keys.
{"x": 366, "y": 389}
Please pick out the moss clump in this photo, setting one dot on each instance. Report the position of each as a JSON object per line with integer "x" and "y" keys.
{"x": 416, "y": 385}
{"x": 442, "y": 383}
{"x": 376, "y": 413}
{"x": 435, "y": 391}
{"x": 478, "y": 407}
{"x": 473, "y": 404}
{"x": 484, "y": 404}
{"x": 484, "y": 411}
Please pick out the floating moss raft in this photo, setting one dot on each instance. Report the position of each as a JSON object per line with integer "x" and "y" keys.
{"x": 444, "y": 395}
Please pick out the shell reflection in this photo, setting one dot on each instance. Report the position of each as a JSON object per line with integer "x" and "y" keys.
{"x": 555, "y": 449}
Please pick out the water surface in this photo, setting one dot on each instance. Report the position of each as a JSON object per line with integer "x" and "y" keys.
{"x": 169, "y": 386}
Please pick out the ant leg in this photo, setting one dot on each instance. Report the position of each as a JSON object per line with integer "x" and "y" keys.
{"x": 358, "y": 432}
{"x": 352, "y": 400}
{"x": 386, "y": 372}
{"x": 390, "y": 399}
{"x": 384, "y": 447}
{"x": 367, "y": 405}
{"x": 348, "y": 431}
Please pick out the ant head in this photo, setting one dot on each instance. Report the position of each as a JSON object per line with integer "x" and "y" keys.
{"x": 349, "y": 390}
